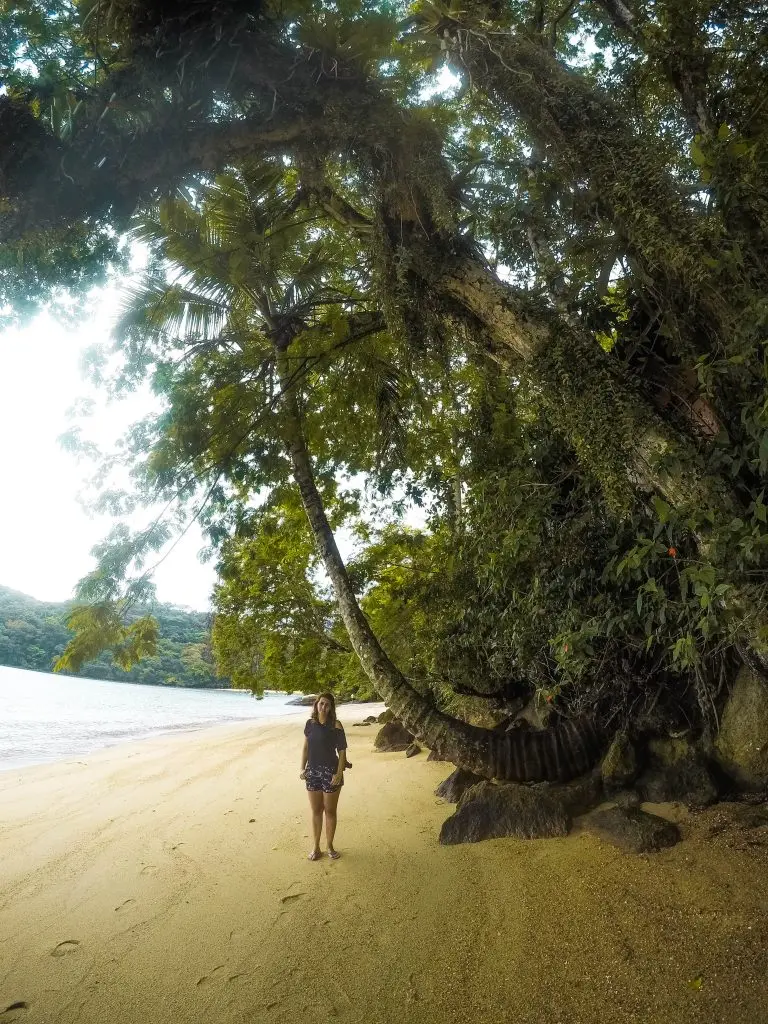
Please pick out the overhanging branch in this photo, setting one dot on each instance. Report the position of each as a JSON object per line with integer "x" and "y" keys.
{"x": 110, "y": 177}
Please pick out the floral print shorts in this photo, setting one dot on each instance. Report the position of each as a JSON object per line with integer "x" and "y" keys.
{"x": 320, "y": 780}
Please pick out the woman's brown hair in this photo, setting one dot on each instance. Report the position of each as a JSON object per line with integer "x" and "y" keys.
{"x": 331, "y": 719}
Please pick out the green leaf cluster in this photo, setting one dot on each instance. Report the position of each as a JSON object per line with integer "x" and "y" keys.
{"x": 33, "y": 634}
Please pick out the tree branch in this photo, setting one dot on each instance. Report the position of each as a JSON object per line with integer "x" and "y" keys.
{"x": 343, "y": 212}
{"x": 621, "y": 16}
{"x": 110, "y": 177}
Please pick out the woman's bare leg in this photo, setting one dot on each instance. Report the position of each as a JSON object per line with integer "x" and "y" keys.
{"x": 330, "y": 800}
{"x": 316, "y": 804}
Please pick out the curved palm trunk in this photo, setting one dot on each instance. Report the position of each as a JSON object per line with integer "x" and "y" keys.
{"x": 556, "y": 754}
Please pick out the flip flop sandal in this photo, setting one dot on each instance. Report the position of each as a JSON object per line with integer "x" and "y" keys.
{"x": 334, "y": 855}
{"x": 315, "y": 855}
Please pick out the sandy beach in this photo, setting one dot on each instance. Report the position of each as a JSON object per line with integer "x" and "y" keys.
{"x": 167, "y": 881}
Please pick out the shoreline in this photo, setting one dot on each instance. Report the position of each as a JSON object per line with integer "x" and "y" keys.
{"x": 372, "y": 708}
{"x": 167, "y": 880}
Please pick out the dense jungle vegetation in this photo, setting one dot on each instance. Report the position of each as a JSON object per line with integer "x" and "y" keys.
{"x": 501, "y": 262}
{"x": 33, "y": 634}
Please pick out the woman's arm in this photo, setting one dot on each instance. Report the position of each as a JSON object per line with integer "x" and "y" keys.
{"x": 304, "y": 756}
{"x": 338, "y": 778}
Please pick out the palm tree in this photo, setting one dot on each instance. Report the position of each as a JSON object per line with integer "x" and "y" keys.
{"x": 244, "y": 299}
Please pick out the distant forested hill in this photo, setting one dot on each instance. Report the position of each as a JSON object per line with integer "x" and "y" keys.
{"x": 33, "y": 634}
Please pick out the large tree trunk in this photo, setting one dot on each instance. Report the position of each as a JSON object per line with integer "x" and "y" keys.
{"x": 680, "y": 50}
{"x": 557, "y": 753}
{"x": 414, "y": 186}
{"x": 616, "y": 433}
{"x": 590, "y": 139}
{"x": 614, "y": 430}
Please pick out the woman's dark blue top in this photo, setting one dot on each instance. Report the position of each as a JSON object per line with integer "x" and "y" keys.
{"x": 325, "y": 743}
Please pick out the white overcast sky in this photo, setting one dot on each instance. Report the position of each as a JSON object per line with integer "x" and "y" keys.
{"x": 45, "y": 534}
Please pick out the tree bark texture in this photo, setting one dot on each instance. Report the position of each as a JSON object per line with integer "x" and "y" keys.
{"x": 610, "y": 426}
{"x": 681, "y": 52}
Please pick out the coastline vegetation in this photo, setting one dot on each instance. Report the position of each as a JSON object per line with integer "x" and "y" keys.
{"x": 33, "y": 633}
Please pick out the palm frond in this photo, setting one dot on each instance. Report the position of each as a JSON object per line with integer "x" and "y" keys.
{"x": 156, "y": 309}
{"x": 388, "y": 384}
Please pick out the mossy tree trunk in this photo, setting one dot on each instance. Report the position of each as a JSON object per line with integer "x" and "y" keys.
{"x": 589, "y": 139}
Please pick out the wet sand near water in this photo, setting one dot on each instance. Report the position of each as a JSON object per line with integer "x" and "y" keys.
{"x": 166, "y": 882}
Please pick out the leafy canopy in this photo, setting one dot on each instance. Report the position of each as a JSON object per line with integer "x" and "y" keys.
{"x": 543, "y": 291}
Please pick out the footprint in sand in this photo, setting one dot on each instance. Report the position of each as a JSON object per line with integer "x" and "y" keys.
{"x": 124, "y": 904}
{"x": 148, "y": 869}
{"x": 285, "y": 900}
{"x": 20, "y": 1005}
{"x": 292, "y": 896}
{"x": 208, "y": 978}
{"x": 66, "y": 947}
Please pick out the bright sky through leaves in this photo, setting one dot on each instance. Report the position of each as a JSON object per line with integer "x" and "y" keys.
{"x": 46, "y": 533}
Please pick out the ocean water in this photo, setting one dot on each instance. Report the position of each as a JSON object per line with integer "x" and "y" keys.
{"x": 50, "y": 718}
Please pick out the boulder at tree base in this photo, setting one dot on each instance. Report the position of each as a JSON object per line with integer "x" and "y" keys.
{"x": 619, "y": 767}
{"x": 632, "y": 830}
{"x": 490, "y": 811}
{"x": 435, "y": 755}
{"x": 391, "y": 737}
{"x": 676, "y": 772}
{"x": 453, "y": 788}
{"x": 742, "y": 743}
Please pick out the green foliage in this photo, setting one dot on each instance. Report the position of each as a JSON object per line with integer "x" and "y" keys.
{"x": 173, "y": 644}
{"x": 275, "y": 626}
{"x": 100, "y": 626}
{"x": 544, "y": 591}
{"x": 597, "y": 531}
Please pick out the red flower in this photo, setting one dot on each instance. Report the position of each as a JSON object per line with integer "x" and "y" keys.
{"x": 550, "y": 698}
{"x": 672, "y": 552}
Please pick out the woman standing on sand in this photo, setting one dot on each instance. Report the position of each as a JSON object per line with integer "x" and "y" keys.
{"x": 323, "y": 760}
